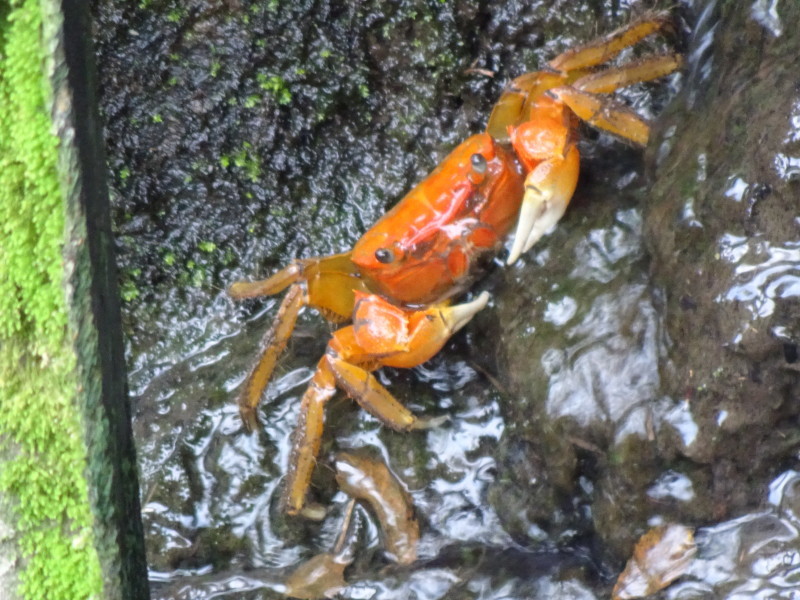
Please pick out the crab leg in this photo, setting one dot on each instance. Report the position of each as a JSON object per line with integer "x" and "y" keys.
{"x": 362, "y": 386}
{"x": 576, "y": 64}
{"x": 610, "y": 80}
{"x": 583, "y": 98}
{"x": 518, "y": 100}
{"x": 607, "y": 47}
{"x": 273, "y": 344}
{"x": 325, "y": 283}
{"x": 603, "y": 113}
{"x": 330, "y": 281}
{"x": 240, "y": 290}
{"x": 307, "y": 439}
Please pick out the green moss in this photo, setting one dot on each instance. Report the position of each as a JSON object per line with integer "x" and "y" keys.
{"x": 175, "y": 15}
{"x": 45, "y": 477}
{"x": 40, "y": 433}
{"x": 246, "y": 159}
{"x": 128, "y": 290}
{"x": 275, "y": 85}
{"x": 30, "y": 282}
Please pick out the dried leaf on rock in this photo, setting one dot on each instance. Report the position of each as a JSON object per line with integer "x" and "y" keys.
{"x": 370, "y": 480}
{"x": 660, "y": 556}
{"x": 319, "y": 577}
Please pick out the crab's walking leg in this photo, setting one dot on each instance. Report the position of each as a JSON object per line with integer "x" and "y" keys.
{"x": 607, "y": 47}
{"x": 518, "y": 100}
{"x": 361, "y": 385}
{"x": 325, "y": 283}
{"x": 330, "y": 282}
{"x": 580, "y": 94}
{"x": 611, "y": 79}
{"x": 348, "y": 363}
{"x": 240, "y": 290}
{"x": 306, "y": 441}
{"x": 606, "y": 114}
{"x": 273, "y": 344}
{"x": 583, "y": 98}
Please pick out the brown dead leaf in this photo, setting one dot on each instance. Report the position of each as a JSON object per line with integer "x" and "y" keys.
{"x": 370, "y": 480}
{"x": 660, "y": 556}
{"x": 319, "y": 577}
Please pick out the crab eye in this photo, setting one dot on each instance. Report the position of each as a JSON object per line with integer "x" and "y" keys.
{"x": 478, "y": 172}
{"x": 478, "y": 163}
{"x": 384, "y": 255}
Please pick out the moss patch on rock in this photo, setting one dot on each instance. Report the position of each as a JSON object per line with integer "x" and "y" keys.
{"x": 41, "y": 450}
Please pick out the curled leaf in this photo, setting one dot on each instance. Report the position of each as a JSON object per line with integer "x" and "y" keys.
{"x": 371, "y": 481}
{"x": 319, "y": 577}
{"x": 660, "y": 556}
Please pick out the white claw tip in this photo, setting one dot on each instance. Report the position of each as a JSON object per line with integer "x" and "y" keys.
{"x": 482, "y": 299}
{"x": 460, "y": 314}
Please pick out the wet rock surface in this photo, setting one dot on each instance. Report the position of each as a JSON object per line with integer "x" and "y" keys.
{"x": 723, "y": 228}
{"x": 639, "y": 366}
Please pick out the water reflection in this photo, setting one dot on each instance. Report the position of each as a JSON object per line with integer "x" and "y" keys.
{"x": 672, "y": 484}
{"x": 679, "y": 416}
{"x": 753, "y": 556}
{"x": 787, "y": 167}
{"x": 601, "y": 375}
{"x": 764, "y": 273}
{"x": 736, "y": 189}
{"x": 765, "y": 12}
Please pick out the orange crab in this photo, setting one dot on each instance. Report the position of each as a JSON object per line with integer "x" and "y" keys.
{"x": 396, "y": 282}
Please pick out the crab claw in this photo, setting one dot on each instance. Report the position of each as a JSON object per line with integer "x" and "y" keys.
{"x": 548, "y": 190}
{"x": 538, "y": 214}
{"x": 550, "y": 157}
{"x": 533, "y": 206}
